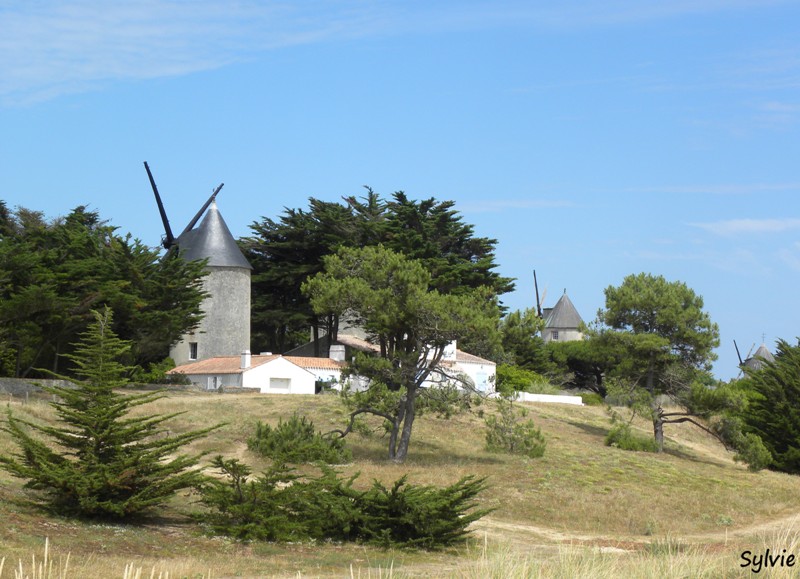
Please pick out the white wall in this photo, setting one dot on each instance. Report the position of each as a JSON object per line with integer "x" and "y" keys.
{"x": 564, "y": 335}
{"x": 549, "y": 398}
{"x": 279, "y": 376}
{"x": 214, "y": 381}
{"x": 482, "y": 375}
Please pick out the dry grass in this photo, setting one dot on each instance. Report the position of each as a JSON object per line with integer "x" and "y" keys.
{"x": 584, "y": 509}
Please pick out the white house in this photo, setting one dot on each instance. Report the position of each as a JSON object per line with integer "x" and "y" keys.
{"x": 455, "y": 363}
{"x": 267, "y": 373}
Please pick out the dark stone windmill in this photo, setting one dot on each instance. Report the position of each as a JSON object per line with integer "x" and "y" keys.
{"x": 225, "y": 328}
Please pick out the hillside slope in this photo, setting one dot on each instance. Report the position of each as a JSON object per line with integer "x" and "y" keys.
{"x": 580, "y": 493}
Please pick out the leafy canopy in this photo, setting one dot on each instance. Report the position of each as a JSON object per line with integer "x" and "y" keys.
{"x": 662, "y": 344}
{"x": 390, "y": 296}
{"x": 773, "y": 411}
{"x": 54, "y": 273}
{"x": 287, "y": 251}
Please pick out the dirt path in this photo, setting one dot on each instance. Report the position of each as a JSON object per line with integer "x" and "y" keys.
{"x": 535, "y": 537}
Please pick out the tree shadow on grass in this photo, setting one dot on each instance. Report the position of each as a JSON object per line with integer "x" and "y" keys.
{"x": 424, "y": 453}
{"x": 671, "y": 447}
{"x": 598, "y": 431}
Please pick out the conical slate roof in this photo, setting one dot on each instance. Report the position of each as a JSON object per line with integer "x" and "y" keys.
{"x": 213, "y": 240}
{"x": 757, "y": 360}
{"x": 563, "y": 314}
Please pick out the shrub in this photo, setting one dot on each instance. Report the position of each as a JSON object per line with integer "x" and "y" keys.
{"x": 508, "y": 432}
{"x": 512, "y": 379}
{"x": 419, "y": 516}
{"x": 622, "y": 436}
{"x": 295, "y": 441}
{"x": 277, "y": 506}
{"x": 752, "y": 451}
{"x": 592, "y": 399}
{"x": 283, "y": 506}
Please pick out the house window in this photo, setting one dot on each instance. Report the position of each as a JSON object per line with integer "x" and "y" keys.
{"x": 283, "y": 384}
{"x": 554, "y": 334}
{"x": 193, "y": 350}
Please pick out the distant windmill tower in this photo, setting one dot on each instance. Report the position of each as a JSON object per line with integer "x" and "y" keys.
{"x": 225, "y": 328}
{"x": 562, "y": 322}
{"x": 757, "y": 360}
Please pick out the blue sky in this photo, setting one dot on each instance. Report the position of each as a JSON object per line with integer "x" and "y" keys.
{"x": 592, "y": 139}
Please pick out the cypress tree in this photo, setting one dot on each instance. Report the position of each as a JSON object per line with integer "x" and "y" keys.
{"x": 98, "y": 461}
{"x": 773, "y": 413}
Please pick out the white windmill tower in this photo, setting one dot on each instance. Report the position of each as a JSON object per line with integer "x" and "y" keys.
{"x": 225, "y": 327}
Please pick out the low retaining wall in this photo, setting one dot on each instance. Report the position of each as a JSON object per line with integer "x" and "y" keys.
{"x": 26, "y": 386}
{"x": 549, "y": 398}
{"x": 33, "y": 386}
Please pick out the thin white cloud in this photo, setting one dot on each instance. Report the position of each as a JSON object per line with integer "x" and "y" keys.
{"x": 746, "y": 226}
{"x": 50, "y": 48}
{"x": 53, "y": 47}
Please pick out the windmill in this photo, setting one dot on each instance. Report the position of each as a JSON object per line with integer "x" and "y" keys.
{"x": 169, "y": 240}
{"x": 544, "y": 295}
{"x": 742, "y": 362}
{"x": 225, "y": 326}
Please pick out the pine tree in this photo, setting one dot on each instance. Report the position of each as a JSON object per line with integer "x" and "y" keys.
{"x": 98, "y": 461}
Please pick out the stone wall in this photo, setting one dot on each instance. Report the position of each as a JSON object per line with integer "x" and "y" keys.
{"x": 25, "y": 386}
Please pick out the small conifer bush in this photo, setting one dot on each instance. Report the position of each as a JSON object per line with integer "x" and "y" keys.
{"x": 622, "y": 436}
{"x": 295, "y": 441}
{"x": 510, "y": 432}
{"x": 281, "y": 505}
{"x": 98, "y": 461}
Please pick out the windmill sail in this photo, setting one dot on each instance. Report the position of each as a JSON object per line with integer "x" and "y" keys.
{"x": 169, "y": 239}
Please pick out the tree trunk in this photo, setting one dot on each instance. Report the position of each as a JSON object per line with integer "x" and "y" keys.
{"x": 398, "y": 421}
{"x": 658, "y": 427}
{"x": 401, "y": 449}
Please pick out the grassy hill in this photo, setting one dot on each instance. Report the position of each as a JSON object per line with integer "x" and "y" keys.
{"x": 584, "y": 509}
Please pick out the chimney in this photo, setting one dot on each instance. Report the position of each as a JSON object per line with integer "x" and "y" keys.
{"x": 337, "y": 352}
{"x": 246, "y": 359}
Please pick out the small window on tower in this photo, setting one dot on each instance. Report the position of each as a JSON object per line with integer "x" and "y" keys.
{"x": 193, "y": 350}
{"x": 554, "y": 335}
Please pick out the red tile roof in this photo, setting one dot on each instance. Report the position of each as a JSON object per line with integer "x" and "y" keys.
{"x": 470, "y": 358}
{"x": 317, "y": 363}
{"x": 221, "y": 365}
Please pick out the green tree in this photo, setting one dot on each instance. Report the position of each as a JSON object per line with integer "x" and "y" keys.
{"x": 98, "y": 461}
{"x": 509, "y": 431}
{"x": 512, "y": 379}
{"x": 773, "y": 411}
{"x": 52, "y": 274}
{"x": 390, "y": 296}
{"x": 284, "y": 253}
{"x": 664, "y": 343}
{"x": 583, "y": 364}
{"x": 287, "y": 251}
{"x": 522, "y": 344}
{"x": 434, "y": 233}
